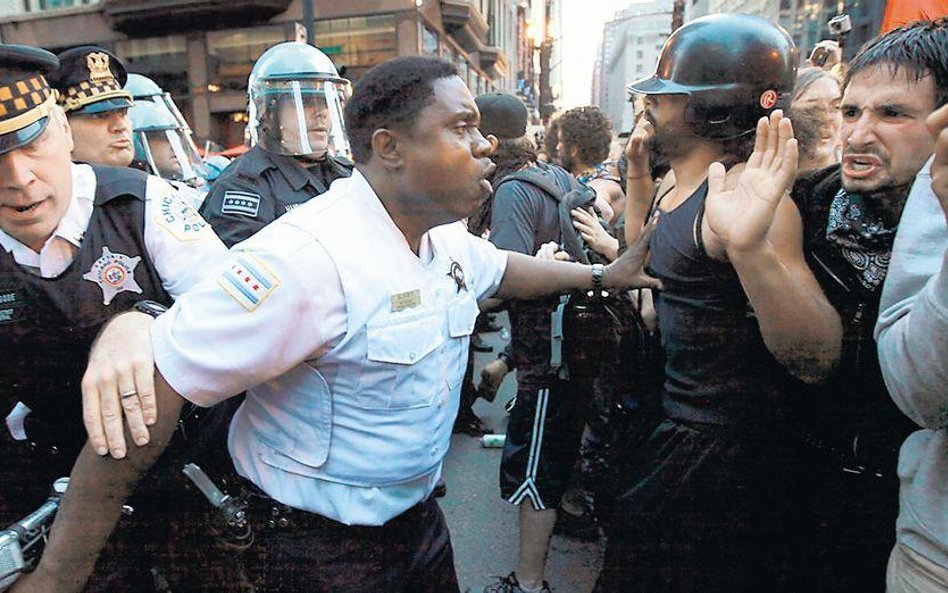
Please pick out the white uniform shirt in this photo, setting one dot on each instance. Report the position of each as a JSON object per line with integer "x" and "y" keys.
{"x": 351, "y": 347}
{"x": 182, "y": 256}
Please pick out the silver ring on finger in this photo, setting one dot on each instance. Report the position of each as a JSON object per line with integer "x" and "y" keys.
{"x": 128, "y": 394}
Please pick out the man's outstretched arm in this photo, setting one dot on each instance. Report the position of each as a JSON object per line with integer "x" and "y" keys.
{"x": 529, "y": 277}
{"x": 98, "y": 487}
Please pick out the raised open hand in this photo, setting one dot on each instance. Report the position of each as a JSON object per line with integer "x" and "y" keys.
{"x": 587, "y": 223}
{"x": 937, "y": 124}
{"x": 741, "y": 217}
{"x": 636, "y": 151}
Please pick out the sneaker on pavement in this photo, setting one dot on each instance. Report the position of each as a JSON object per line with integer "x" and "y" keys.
{"x": 509, "y": 584}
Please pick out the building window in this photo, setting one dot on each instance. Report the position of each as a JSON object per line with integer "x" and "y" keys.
{"x": 429, "y": 42}
{"x": 640, "y": 40}
{"x": 638, "y": 68}
{"x": 464, "y": 71}
{"x": 164, "y": 59}
{"x": 51, "y": 4}
{"x": 639, "y": 55}
{"x": 231, "y": 54}
{"x": 358, "y": 43}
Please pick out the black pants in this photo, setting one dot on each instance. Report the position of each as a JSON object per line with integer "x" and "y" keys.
{"x": 843, "y": 524}
{"x": 696, "y": 515}
{"x": 542, "y": 445}
{"x": 410, "y": 553}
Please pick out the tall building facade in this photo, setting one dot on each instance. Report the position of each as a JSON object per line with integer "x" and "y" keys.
{"x": 631, "y": 44}
{"x": 202, "y": 51}
{"x": 805, "y": 20}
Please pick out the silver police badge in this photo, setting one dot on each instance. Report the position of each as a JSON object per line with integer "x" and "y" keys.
{"x": 114, "y": 273}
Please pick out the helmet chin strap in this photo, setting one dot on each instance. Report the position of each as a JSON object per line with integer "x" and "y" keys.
{"x": 311, "y": 160}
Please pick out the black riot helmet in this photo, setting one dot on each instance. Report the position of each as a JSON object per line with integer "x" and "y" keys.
{"x": 735, "y": 68}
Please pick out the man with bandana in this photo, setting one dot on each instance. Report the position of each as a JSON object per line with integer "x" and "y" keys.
{"x": 847, "y": 431}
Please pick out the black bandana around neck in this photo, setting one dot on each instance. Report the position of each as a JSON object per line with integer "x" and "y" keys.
{"x": 862, "y": 236}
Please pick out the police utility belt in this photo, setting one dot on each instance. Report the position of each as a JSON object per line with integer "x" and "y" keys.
{"x": 239, "y": 517}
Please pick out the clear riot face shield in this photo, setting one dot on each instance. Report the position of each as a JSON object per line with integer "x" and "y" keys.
{"x": 168, "y": 154}
{"x": 300, "y": 117}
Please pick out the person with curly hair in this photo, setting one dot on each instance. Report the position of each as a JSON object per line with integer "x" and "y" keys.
{"x": 585, "y": 135}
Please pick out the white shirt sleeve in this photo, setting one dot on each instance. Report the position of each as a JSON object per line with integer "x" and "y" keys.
{"x": 277, "y": 302}
{"x": 490, "y": 263}
{"x": 182, "y": 246}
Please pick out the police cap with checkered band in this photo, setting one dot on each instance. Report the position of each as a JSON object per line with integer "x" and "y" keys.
{"x": 26, "y": 98}
{"x": 90, "y": 80}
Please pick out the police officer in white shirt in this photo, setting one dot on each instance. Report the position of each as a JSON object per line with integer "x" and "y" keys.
{"x": 347, "y": 321}
{"x": 78, "y": 245}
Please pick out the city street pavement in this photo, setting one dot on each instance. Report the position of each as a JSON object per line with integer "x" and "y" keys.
{"x": 483, "y": 526}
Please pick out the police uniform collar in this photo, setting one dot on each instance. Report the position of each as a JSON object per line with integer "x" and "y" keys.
{"x": 296, "y": 174}
{"x": 255, "y": 161}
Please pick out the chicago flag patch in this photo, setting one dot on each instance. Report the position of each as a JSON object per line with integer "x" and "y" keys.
{"x": 238, "y": 202}
{"x": 248, "y": 281}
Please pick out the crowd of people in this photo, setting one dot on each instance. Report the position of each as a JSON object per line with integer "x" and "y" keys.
{"x": 729, "y": 325}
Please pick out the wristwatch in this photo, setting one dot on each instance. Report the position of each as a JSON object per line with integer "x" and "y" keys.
{"x": 149, "y": 308}
{"x": 598, "y": 271}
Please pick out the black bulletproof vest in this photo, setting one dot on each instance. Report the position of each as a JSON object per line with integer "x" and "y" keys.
{"x": 47, "y": 325}
{"x": 717, "y": 368}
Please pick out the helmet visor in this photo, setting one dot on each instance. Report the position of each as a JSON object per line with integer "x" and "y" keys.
{"x": 301, "y": 117}
{"x": 165, "y": 103}
{"x": 168, "y": 154}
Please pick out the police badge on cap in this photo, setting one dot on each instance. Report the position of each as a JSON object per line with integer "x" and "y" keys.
{"x": 90, "y": 80}
{"x": 26, "y": 99}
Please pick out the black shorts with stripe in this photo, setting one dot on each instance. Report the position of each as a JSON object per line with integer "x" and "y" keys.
{"x": 543, "y": 437}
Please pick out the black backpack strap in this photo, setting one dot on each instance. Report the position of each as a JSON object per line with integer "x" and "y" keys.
{"x": 570, "y": 239}
{"x": 542, "y": 182}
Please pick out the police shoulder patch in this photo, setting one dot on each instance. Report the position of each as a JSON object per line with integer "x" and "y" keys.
{"x": 240, "y": 202}
{"x": 179, "y": 217}
{"x": 248, "y": 280}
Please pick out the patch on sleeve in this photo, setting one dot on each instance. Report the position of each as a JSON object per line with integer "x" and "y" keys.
{"x": 177, "y": 216}
{"x": 243, "y": 203}
{"x": 248, "y": 281}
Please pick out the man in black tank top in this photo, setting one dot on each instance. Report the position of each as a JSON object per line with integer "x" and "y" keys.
{"x": 81, "y": 244}
{"x": 739, "y": 308}
{"x": 846, "y": 432}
